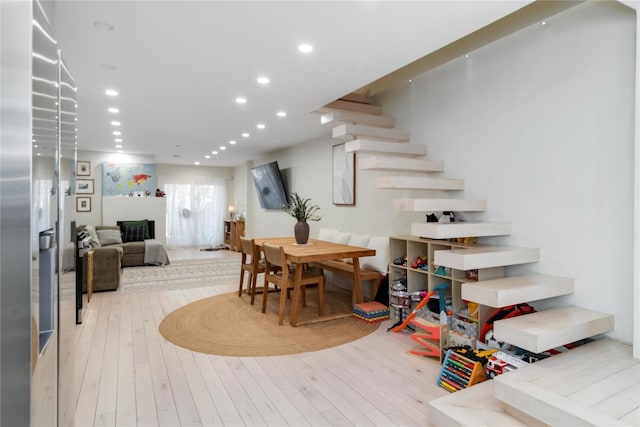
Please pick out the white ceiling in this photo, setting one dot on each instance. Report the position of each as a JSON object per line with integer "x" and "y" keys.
{"x": 181, "y": 64}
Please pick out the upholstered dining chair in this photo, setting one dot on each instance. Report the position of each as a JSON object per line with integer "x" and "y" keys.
{"x": 252, "y": 264}
{"x": 284, "y": 279}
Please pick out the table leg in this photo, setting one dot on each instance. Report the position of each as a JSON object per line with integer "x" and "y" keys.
{"x": 296, "y": 295}
{"x": 357, "y": 283}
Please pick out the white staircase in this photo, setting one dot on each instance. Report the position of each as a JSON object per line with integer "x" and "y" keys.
{"x": 388, "y": 149}
{"x": 350, "y": 131}
{"x": 596, "y": 384}
{"x": 514, "y": 290}
{"x": 485, "y": 257}
{"x": 404, "y": 164}
{"x": 450, "y": 230}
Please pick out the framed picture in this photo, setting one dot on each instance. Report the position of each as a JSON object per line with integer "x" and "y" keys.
{"x": 344, "y": 176}
{"x": 83, "y": 168}
{"x": 83, "y": 204}
{"x": 84, "y": 186}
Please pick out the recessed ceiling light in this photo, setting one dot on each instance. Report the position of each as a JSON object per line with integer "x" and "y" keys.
{"x": 214, "y": 152}
{"x": 305, "y": 48}
{"x": 111, "y": 92}
{"x": 241, "y": 100}
{"x": 196, "y": 163}
{"x": 207, "y": 156}
{"x": 263, "y": 80}
{"x": 37, "y": 154}
{"x": 543, "y": 23}
{"x": 118, "y": 146}
{"x": 117, "y": 133}
{"x": 35, "y": 145}
{"x": 104, "y": 26}
{"x": 222, "y": 147}
{"x": 245, "y": 135}
{"x": 232, "y": 142}
{"x": 118, "y": 140}
{"x": 113, "y": 110}
{"x": 467, "y": 56}
{"x": 114, "y": 123}
{"x": 281, "y": 114}
{"x": 260, "y": 126}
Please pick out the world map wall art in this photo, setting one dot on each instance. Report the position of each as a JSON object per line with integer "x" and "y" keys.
{"x": 128, "y": 179}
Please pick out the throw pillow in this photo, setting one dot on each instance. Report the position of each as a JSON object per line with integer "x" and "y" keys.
{"x": 360, "y": 240}
{"x": 144, "y": 222}
{"x": 379, "y": 261}
{"x": 109, "y": 237}
{"x": 133, "y": 233}
{"x": 95, "y": 241}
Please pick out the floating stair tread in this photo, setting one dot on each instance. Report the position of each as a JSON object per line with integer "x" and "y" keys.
{"x": 485, "y": 257}
{"x": 438, "y": 205}
{"x": 419, "y": 183}
{"x": 515, "y": 290}
{"x": 351, "y": 131}
{"x": 473, "y": 406}
{"x": 352, "y": 106}
{"x": 450, "y": 230}
{"x": 404, "y": 164}
{"x": 384, "y": 147}
{"x": 359, "y": 118}
{"x": 540, "y": 389}
{"x": 541, "y": 331}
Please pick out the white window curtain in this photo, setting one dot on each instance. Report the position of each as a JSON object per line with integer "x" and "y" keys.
{"x": 195, "y": 214}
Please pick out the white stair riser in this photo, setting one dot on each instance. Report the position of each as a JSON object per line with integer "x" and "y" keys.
{"x": 541, "y": 331}
{"x": 419, "y": 183}
{"x": 350, "y": 131}
{"x": 439, "y": 205}
{"x": 405, "y": 164}
{"x": 381, "y": 147}
{"x": 516, "y": 290}
{"x": 469, "y": 259}
{"x": 437, "y": 230}
{"x": 360, "y": 118}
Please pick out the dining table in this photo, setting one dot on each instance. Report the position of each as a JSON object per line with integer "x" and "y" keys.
{"x": 317, "y": 251}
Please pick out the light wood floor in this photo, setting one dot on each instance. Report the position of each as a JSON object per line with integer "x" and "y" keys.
{"x": 129, "y": 375}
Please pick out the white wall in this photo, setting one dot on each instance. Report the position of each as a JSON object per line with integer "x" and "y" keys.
{"x": 137, "y": 208}
{"x": 541, "y": 123}
{"x": 308, "y": 167}
{"x": 166, "y": 173}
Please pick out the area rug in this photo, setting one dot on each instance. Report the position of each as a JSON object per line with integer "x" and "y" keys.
{"x": 228, "y": 325}
{"x": 183, "y": 274}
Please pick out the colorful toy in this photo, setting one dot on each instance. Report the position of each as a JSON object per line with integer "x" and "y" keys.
{"x": 459, "y": 372}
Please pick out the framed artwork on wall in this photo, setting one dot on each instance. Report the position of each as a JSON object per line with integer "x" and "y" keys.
{"x": 83, "y": 168}
{"x": 344, "y": 176}
{"x": 84, "y": 186}
{"x": 83, "y": 204}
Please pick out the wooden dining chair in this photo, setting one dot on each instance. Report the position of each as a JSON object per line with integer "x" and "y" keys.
{"x": 284, "y": 279}
{"x": 252, "y": 264}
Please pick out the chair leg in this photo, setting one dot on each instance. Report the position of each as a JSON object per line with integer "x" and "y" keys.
{"x": 241, "y": 281}
{"x": 283, "y": 302}
{"x": 254, "y": 279}
{"x": 265, "y": 295}
{"x": 321, "y": 296}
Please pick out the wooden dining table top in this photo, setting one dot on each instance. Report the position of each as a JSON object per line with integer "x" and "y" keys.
{"x": 315, "y": 250}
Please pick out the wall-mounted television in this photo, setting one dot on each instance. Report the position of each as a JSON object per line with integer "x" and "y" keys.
{"x": 270, "y": 187}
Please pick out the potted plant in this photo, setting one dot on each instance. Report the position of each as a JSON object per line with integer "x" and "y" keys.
{"x": 302, "y": 209}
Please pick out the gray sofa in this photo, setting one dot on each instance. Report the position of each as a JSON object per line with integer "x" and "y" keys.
{"x": 108, "y": 260}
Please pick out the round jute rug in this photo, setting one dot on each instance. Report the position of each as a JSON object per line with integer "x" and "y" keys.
{"x": 229, "y": 325}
